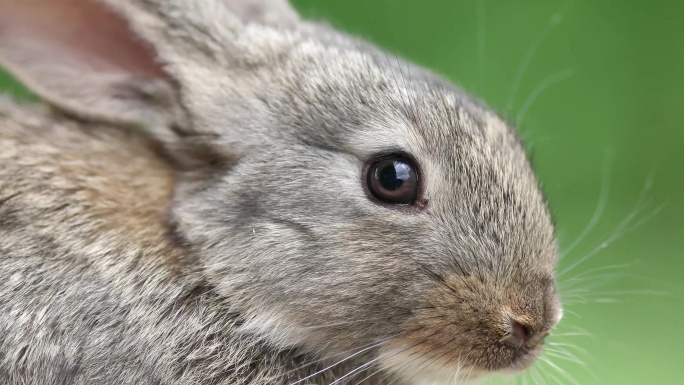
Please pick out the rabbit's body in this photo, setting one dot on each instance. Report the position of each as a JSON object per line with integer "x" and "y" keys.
{"x": 94, "y": 287}
{"x": 226, "y": 194}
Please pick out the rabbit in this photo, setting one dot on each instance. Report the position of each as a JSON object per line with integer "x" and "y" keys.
{"x": 220, "y": 192}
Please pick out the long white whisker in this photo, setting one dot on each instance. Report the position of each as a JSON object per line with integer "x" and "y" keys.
{"x": 624, "y": 226}
{"x": 564, "y": 373}
{"x": 338, "y": 362}
{"x": 589, "y": 282}
{"x": 647, "y": 218}
{"x": 602, "y": 268}
{"x": 524, "y": 376}
{"x": 460, "y": 366}
{"x": 565, "y": 356}
{"x": 554, "y": 21}
{"x": 356, "y": 371}
{"x": 618, "y": 231}
{"x": 537, "y": 91}
{"x": 572, "y": 346}
{"x": 554, "y": 378}
{"x": 537, "y": 378}
{"x": 576, "y": 332}
{"x": 355, "y": 350}
{"x": 471, "y": 369}
{"x": 385, "y": 356}
{"x": 600, "y": 205}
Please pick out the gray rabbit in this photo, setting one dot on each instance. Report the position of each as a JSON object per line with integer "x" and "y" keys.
{"x": 218, "y": 192}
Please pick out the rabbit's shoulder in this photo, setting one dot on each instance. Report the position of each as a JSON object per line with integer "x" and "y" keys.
{"x": 74, "y": 181}
{"x": 85, "y": 248}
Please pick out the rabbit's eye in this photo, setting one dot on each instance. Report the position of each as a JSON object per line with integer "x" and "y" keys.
{"x": 393, "y": 180}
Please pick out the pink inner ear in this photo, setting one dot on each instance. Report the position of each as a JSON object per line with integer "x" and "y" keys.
{"x": 79, "y": 33}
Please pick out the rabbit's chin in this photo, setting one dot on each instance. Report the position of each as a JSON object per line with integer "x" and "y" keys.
{"x": 425, "y": 369}
{"x": 422, "y": 367}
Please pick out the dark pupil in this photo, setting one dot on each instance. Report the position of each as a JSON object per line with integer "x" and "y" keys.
{"x": 394, "y": 175}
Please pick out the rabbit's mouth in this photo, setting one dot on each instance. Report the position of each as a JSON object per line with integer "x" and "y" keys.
{"x": 466, "y": 330}
{"x": 443, "y": 362}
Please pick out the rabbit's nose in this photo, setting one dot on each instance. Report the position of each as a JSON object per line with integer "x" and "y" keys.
{"x": 522, "y": 335}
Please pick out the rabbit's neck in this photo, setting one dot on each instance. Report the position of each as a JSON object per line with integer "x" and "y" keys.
{"x": 216, "y": 351}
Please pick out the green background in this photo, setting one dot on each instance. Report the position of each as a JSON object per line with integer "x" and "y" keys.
{"x": 597, "y": 89}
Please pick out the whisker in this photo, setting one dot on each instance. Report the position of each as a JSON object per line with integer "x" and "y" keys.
{"x": 428, "y": 363}
{"x": 554, "y": 21}
{"x": 576, "y": 332}
{"x": 356, "y": 371}
{"x": 564, "y": 373}
{"x": 471, "y": 368}
{"x": 618, "y": 231}
{"x": 622, "y": 228}
{"x": 460, "y": 366}
{"x": 629, "y": 292}
{"x": 537, "y": 91}
{"x": 647, "y": 218}
{"x": 572, "y": 335}
{"x": 589, "y": 284}
{"x": 600, "y": 205}
{"x": 600, "y": 297}
{"x": 380, "y": 357}
{"x": 530, "y": 373}
{"x": 570, "y": 311}
{"x": 562, "y": 355}
{"x": 572, "y": 346}
{"x": 536, "y": 377}
{"x": 354, "y": 351}
{"x": 593, "y": 281}
{"x": 568, "y": 356}
{"x": 523, "y": 378}
{"x": 584, "y": 290}
{"x": 602, "y": 268}
{"x": 554, "y": 378}
{"x": 369, "y": 376}
{"x": 335, "y": 364}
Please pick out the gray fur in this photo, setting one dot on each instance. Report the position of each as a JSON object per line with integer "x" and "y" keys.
{"x": 231, "y": 240}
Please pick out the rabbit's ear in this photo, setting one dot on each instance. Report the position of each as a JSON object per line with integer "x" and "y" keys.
{"x": 82, "y": 57}
{"x": 167, "y": 65}
{"x": 276, "y": 13}
{"x": 142, "y": 62}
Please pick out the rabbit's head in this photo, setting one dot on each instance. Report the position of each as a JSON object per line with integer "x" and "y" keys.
{"x": 339, "y": 199}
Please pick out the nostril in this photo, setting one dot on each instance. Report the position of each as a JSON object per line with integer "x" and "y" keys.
{"x": 520, "y": 335}
{"x": 521, "y": 331}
